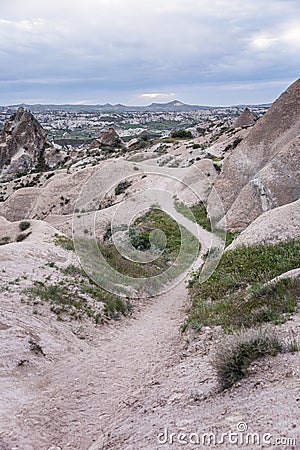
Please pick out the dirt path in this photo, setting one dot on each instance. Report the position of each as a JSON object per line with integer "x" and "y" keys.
{"x": 76, "y": 402}
{"x": 134, "y": 379}
{"x": 139, "y": 377}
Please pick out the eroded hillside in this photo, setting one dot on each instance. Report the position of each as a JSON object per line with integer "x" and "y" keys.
{"x": 84, "y": 368}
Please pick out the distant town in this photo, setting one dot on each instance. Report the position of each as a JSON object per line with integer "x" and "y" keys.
{"x": 84, "y": 122}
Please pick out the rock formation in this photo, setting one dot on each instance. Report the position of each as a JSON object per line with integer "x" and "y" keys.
{"x": 23, "y": 143}
{"x": 107, "y": 139}
{"x": 263, "y": 172}
{"x": 278, "y": 224}
{"x": 247, "y": 118}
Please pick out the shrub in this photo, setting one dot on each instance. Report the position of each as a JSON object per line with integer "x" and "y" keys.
{"x": 115, "y": 307}
{"x": 235, "y": 355}
{"x": 197, "y": 213}
{"x": 24, "y": 225}
{"x": 121, "y": 187}
{"x": 4, "y": 240}
{"x": 71, "y": 270}
{"x": 139, "y": 233}
{"x": 140, "y": 240}
{"x": 22, "y": 236}
{"x": 181, "y": 134}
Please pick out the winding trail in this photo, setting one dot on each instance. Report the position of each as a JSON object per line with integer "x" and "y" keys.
{"x": 74, "y": 404}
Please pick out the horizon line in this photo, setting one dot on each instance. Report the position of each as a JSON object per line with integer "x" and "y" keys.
{"x": 132, "y": 106}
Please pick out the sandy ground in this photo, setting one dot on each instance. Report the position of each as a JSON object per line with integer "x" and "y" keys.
{"x": 137, "y": 378}
{"x": 129, "y": 385}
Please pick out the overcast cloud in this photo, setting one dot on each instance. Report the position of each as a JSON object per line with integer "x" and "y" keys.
{"x": 199, "y": 51}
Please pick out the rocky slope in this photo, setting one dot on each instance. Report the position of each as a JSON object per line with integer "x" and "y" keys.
{"x": 23, "y": 145}
{"x": 73, "y": 384}
{"x": 68, "y": 381}
{"x": 262, "y": 172}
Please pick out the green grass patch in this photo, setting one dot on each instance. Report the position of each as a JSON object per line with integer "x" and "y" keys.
{"x": 196, "y": 213}
{"x": 230, "y": 236}
{"x": 77, "y": 297}
{"x": 72, "y": 270}
{"x": 139, "y": 233}
{"x": 64, "y": 242}
{"x": 158, "y": 219}
{"x": 115, "y": 306}
{"x": 56, "y": 293}
{"x": 235, "y": 295}
{"x": 22, "y": 236}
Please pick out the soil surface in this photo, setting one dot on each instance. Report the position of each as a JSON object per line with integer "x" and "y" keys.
{"x": 138, "y": 378}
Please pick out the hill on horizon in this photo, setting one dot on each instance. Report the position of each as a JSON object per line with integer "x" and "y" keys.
{"x": 174, "y": 105}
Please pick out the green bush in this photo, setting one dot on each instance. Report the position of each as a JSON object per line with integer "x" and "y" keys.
{"x": 71, "y": 270}
{"x": 139, "y": 239}
{"x": 121, "y": 187}
{"x": 115, "y": 307}
{"x": 24, "y": 225}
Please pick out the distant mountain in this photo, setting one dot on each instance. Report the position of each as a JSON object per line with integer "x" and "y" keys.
{"x": 175, "y": 105}
{"x": 260, "y": 105}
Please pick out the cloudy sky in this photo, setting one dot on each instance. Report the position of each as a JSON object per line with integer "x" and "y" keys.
{"x": 215, "y": 52}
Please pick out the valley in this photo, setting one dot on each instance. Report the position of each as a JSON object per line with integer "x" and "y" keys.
{"x": 149, "y": 263}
